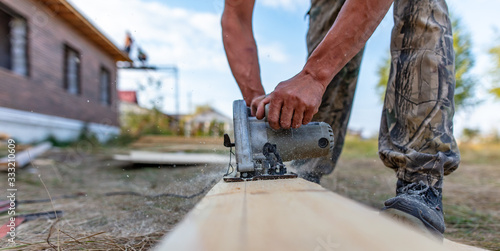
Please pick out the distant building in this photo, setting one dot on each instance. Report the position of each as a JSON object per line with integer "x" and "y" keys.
{"x": 57, "y": 72}
{"x": 127, "y": 105}
{"x": 207, "y": 121}
{"x": 128, "y": 96}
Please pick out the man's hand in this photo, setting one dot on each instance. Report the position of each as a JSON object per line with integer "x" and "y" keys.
{"x": 259, "y": 101}
{"x": 292, "y": 103}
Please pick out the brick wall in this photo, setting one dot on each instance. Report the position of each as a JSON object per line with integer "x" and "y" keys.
{"x": 42, "y": 90}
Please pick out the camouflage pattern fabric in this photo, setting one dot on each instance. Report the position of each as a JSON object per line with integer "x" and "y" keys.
{"x": 416, "y": 134}
{"x": 335, "y": 108}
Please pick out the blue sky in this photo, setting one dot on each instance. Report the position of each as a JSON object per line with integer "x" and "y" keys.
{"x": 188, "y": 34}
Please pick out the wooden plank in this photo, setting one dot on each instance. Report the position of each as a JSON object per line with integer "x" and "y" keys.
{"x": 158, "y": 139}
{"x": 291, "y": 214}
{"x": 144, "y": 157}
{"x": 24, "y": 157}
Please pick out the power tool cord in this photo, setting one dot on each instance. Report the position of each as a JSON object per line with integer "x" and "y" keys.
{"x": 202, "y": 191}
{"x": 230, "y": 166}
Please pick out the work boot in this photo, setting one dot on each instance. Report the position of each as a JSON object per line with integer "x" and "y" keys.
{"x": 419, "y": 205}
{"x": 312, "y": 177}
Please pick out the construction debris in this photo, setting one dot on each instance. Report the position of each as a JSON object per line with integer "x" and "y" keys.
{"x": 14, "y": 222}
{"x": 24, "y": 157}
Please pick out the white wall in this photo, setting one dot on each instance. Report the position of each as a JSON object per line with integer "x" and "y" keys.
{"x": 29, "y": 127}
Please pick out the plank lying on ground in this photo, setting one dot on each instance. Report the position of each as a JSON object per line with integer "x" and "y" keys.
{"x": 181, "y": 147}
{"x": 157, "y": 139}
{"x": 291, "y": 214}
{"x": 24, "y": 157}
{"x": 144, "y": 157}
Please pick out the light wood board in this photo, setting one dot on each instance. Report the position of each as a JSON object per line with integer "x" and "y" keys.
{"x": 145, "y": 157}
{"x": 24, "y": 157}
{"x": 291, "y": 214}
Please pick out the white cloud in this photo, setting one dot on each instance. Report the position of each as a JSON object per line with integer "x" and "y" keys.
{"x": 168, "y": 35}
{"x": 289, "y": 5}
{"x": 189, "y": 39}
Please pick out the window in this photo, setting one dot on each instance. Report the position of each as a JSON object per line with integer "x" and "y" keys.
{"x": 71, "y": 70}
{"x": 13, "y": 41}
{"x": 105, "y": 87}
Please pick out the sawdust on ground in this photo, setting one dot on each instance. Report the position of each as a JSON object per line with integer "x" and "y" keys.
{"x": 92, "y": 220}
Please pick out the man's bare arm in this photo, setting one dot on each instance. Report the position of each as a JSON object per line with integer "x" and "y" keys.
{"x": 240, "y": 46}
{"x": 294, "y": 102}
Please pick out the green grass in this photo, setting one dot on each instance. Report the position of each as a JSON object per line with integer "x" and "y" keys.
{"x": 355, "y": 148}
{"x": 484, "y": 153}
{"x": 470, "y": 198}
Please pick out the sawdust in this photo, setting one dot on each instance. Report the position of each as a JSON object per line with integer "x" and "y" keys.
{"x": 127, "y": 222}
{"x": 92, "y": 220}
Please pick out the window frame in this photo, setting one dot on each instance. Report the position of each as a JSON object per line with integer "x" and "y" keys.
{"x": 67, "y": 50}
{"x": 13, "y": 13}
{"x": 109, "y": 100}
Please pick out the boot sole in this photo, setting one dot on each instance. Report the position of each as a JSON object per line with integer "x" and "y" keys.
{"x": 412, "y": 221}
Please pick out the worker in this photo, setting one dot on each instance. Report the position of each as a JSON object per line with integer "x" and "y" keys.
{"x": 128, "y": 42}
{"x": 416, "y": 133}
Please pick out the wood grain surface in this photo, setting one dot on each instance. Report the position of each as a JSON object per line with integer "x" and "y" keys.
{"x": 291, "y": 214}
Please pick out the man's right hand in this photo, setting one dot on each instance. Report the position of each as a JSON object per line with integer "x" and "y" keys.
{"x": 254, "y": 106}
{"x": 292, "y": 103}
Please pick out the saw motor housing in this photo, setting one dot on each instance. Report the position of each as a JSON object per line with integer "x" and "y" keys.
{"x": 260, "y": 150}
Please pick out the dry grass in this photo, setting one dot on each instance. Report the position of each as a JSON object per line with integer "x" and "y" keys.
{"x": 94, "y": 221}
{"x": 126, "y": 222}
{"x": 470, "y": 194}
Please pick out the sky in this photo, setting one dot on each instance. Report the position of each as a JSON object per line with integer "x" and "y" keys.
{"x": 187, "y": 34}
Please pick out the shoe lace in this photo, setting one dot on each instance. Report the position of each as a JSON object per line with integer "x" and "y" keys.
{"x": 428, "y": 193}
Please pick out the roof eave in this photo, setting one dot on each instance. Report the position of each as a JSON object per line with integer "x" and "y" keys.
{"x": 69, "y": 14}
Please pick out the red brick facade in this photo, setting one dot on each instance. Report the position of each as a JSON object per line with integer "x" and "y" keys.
{"x": 42, "y": 91}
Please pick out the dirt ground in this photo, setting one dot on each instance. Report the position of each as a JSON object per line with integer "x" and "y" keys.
{"x": 95, "y": 220}
{"x": 92, "y": 220}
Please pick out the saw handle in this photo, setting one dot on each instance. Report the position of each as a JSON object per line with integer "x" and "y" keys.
{"x": 266, "y": 113}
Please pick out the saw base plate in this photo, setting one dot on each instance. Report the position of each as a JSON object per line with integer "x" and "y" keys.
{"x": 262, "y": 177}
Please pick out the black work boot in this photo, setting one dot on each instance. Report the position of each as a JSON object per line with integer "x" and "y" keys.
{"x": 312, "y": 177}
{"x": 419, "y": 205}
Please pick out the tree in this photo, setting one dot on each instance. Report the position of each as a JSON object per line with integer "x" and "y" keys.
{"x": 150, "y": 120}
{"x": 152, "y": 93}
{"x": 470, "y": 134}
{"x": 383, "y": 71}
{"x": 495, "y": 54}
{"x": 464, "y": 61}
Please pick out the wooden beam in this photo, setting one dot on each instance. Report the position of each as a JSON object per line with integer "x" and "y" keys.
{"x": 291, "y": 214}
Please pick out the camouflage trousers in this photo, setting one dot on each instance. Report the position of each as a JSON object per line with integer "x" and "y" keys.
{"x": 416, "y": 132}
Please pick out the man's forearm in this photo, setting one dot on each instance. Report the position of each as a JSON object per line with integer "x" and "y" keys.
{"x": 241, "y": 49}
{"x": 355, "y": 23}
